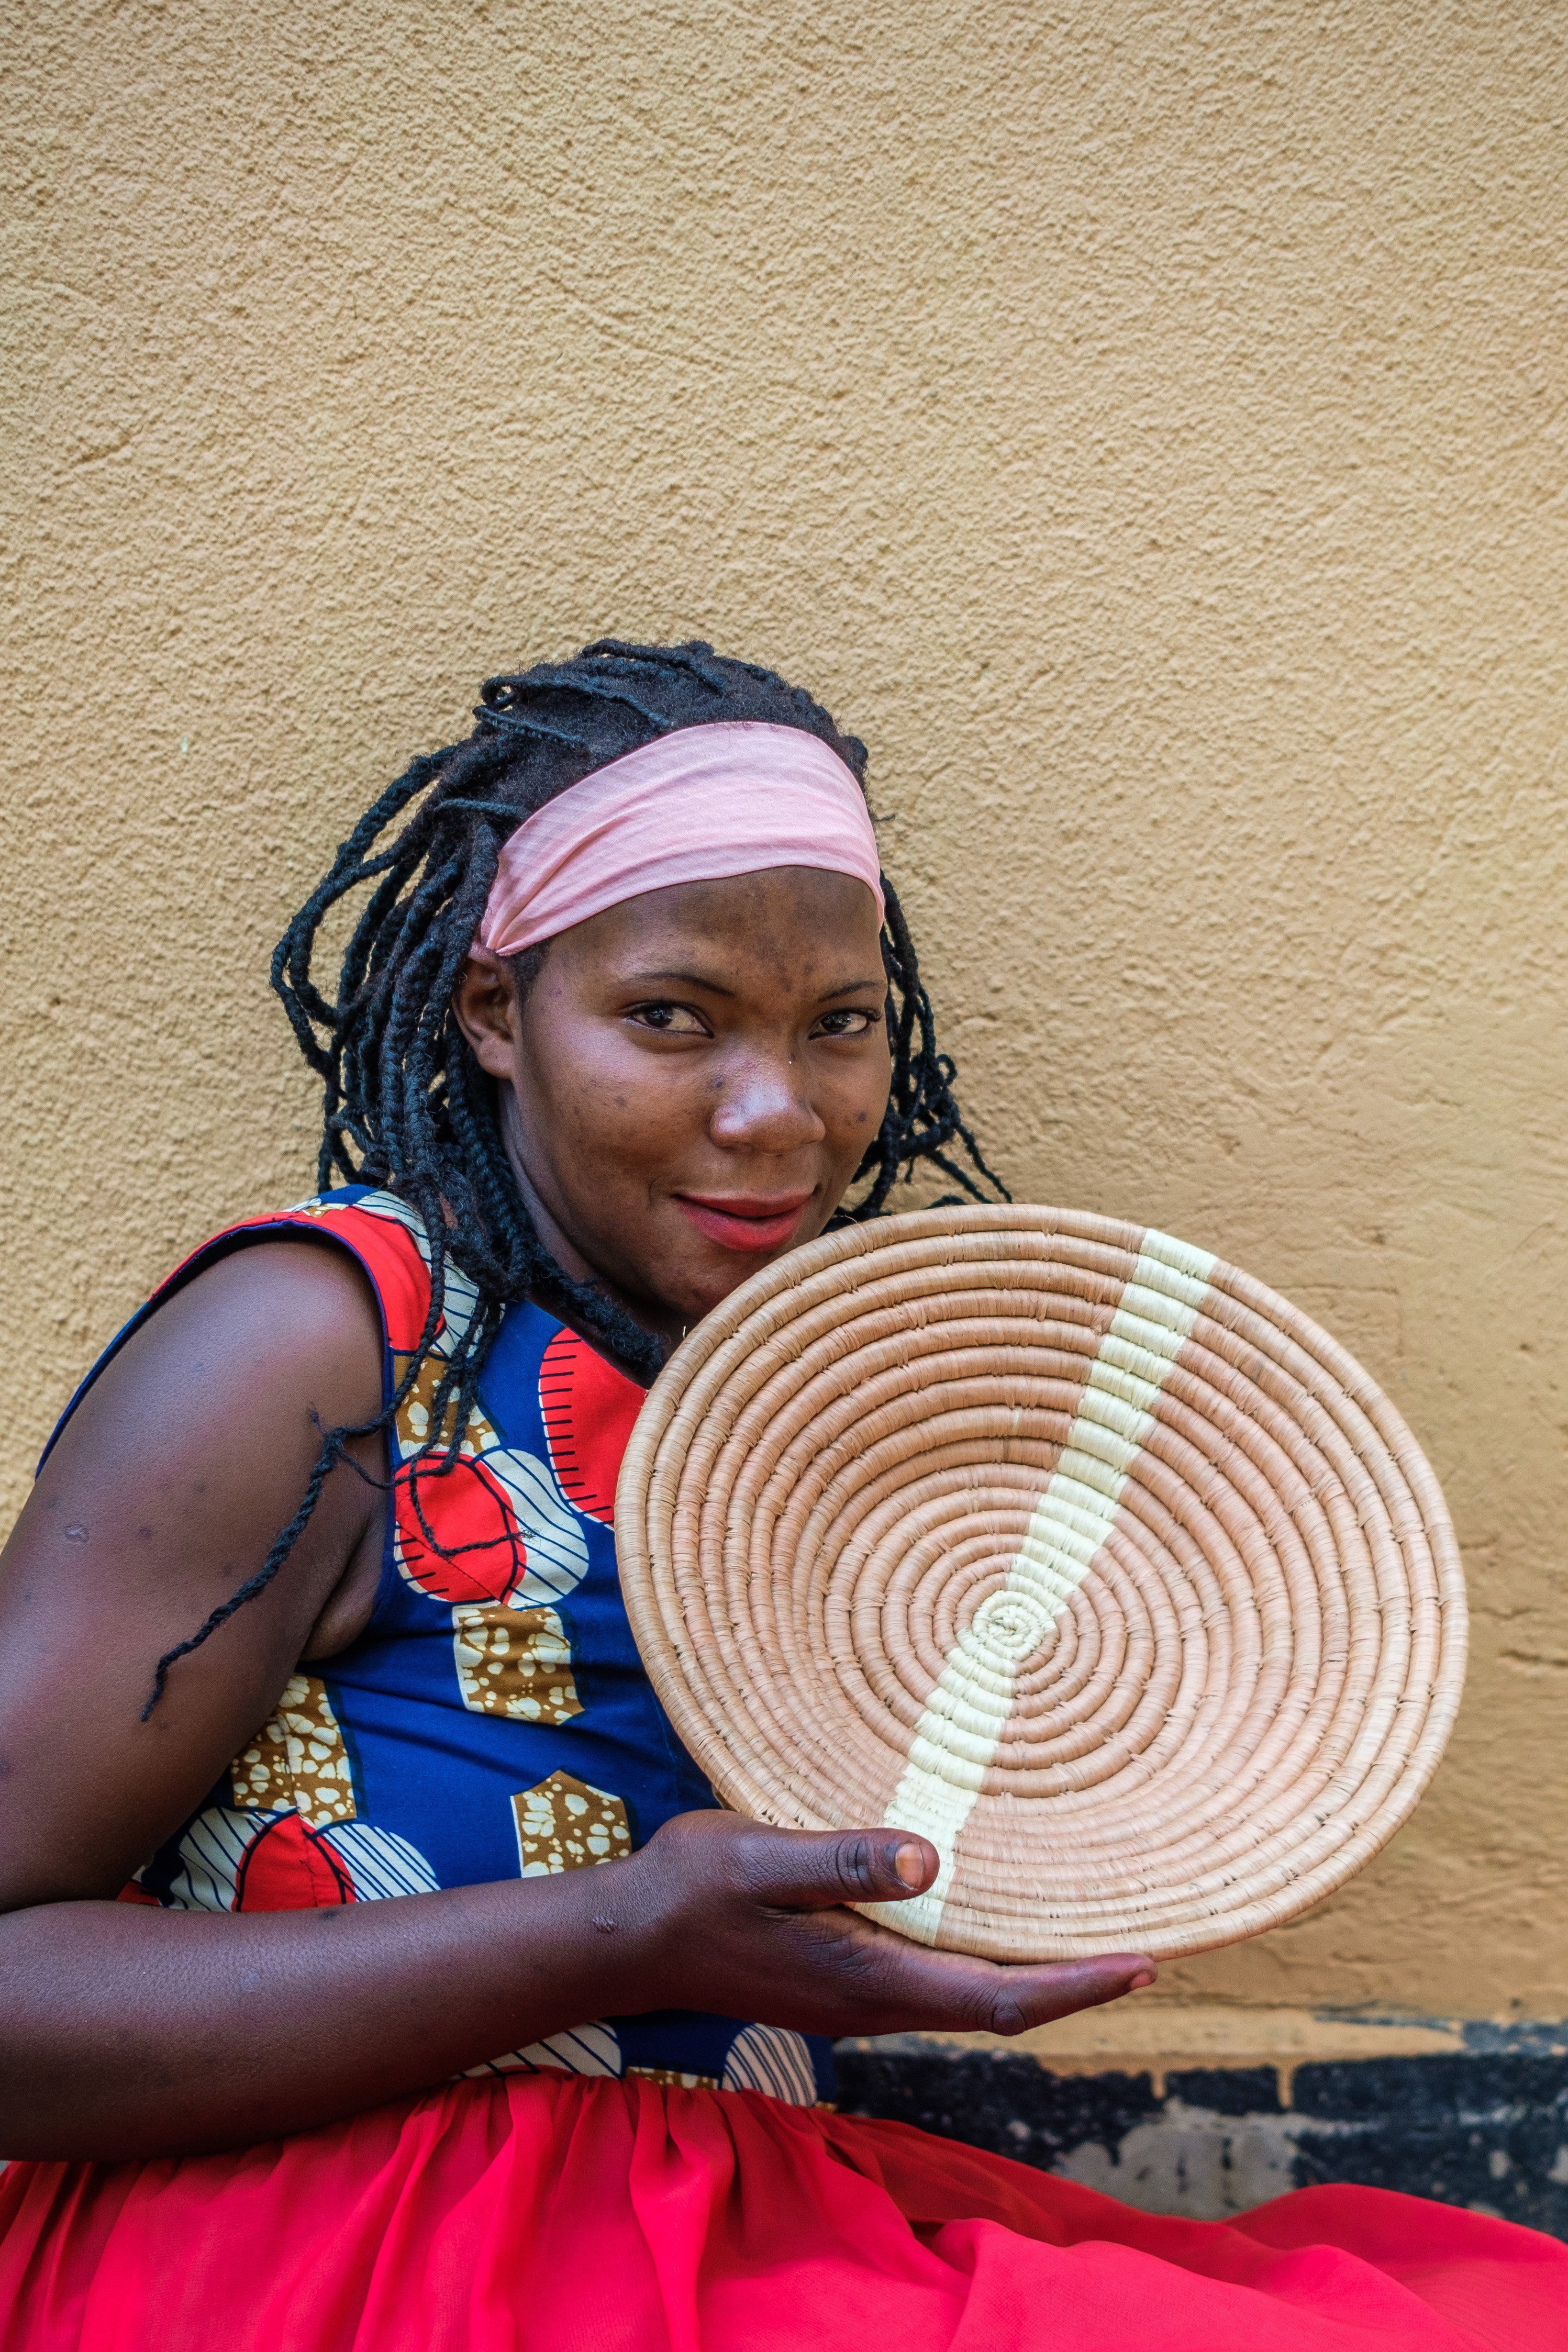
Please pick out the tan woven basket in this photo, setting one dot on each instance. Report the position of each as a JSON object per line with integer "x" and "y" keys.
{"x": 1062, "y": 1543}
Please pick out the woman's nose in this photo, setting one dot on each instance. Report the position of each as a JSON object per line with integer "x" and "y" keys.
{"x": 763, "y": 1105}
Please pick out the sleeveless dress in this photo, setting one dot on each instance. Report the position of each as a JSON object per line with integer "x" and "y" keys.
{"x": 670, "y": 2182}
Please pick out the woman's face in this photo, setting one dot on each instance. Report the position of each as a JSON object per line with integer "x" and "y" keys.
{"x": 692, "y": 1080}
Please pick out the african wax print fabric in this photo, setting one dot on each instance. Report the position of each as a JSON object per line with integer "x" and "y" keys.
{"x": 493, "y": 1719}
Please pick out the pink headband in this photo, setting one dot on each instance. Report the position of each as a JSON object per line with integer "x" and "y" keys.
{"x": 695, "y": 805}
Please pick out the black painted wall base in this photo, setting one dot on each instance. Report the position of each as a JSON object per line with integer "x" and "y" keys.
{"x": 1486, "y": 2129}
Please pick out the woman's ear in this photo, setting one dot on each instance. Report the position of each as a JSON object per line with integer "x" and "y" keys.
{"x": 485, "y": 1007}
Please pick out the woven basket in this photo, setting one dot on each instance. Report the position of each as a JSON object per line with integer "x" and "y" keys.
{"x": 1063, "y": 1544}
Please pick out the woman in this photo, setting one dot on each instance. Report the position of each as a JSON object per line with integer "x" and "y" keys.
{"x": 439, "y": 2005}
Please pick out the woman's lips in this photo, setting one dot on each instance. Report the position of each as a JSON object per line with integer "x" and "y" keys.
{"x": 744, "y": 1220}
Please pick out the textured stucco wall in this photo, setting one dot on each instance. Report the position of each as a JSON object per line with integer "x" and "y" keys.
{"x": 1144, "y": 423}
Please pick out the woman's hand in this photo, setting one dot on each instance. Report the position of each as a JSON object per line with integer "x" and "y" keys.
{"x": 727, "y": 1915}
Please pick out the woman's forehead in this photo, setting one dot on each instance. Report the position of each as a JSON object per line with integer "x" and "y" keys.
{"x": 803, "y": 906}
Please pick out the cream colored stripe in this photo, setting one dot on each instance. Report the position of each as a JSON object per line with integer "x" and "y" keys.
{"x": 967, "y": 1713}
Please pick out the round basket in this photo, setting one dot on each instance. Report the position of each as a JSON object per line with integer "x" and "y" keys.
{"x": 1063, "y": 1544}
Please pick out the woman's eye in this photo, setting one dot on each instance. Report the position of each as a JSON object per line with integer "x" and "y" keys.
{"x": 846, "y": 1025}
{"x": 670, "y": 1019}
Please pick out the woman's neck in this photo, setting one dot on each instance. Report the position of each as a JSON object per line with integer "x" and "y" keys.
{"x": 665, "y": 1327}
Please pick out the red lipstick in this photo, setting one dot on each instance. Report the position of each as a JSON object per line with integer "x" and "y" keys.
{"x": 744, "y": 1220}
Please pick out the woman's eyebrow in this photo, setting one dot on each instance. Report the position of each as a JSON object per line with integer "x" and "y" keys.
{"x": 717, "y": 987}
{"x": 689, "y": 978}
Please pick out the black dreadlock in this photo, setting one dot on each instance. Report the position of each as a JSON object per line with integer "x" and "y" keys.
{"x": 406, "y": 1105}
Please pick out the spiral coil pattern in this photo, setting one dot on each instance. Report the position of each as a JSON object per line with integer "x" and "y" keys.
{"x": 1062, "y": 1543}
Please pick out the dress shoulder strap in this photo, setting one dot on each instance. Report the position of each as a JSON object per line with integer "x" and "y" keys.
{"x": 380, "y": 1232}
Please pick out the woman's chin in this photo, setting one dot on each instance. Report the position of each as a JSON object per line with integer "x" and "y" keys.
{"x": 693, "y": 1284}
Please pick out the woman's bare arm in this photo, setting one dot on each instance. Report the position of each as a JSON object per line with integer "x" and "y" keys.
{"x": 127, "y": 2031}
{"x": 164, "y": 1492}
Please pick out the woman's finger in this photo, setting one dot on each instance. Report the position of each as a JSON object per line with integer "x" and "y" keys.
{"x": 948, "y": 1990}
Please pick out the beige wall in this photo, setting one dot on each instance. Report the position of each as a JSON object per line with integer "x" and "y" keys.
{"x": 1144, "y": 423}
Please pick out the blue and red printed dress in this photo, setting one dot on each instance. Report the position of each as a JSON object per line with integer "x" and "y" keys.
{"x": 494, "y": 1719}
{"x": 672, "y": 2182}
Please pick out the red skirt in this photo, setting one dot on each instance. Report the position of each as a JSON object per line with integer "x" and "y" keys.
{"x": 575, "y": 2216}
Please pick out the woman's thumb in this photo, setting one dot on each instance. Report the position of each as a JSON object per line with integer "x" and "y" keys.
{"x": 808, "y": 1869}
